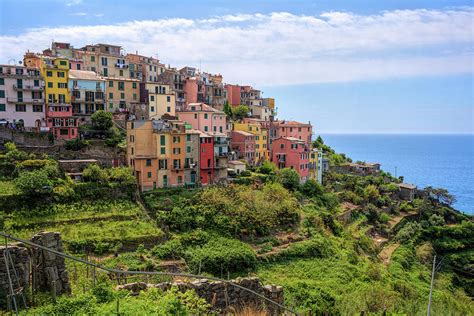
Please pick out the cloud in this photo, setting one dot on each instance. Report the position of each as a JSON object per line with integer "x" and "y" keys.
{"x": 71, "y": 3}
{"x": 284, "y": 48}
{"x": 79, "y": 14}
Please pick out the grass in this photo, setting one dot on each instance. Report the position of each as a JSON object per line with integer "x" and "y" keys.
{"x": 7, "y": 188}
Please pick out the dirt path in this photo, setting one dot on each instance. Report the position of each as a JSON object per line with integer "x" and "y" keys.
{"x": 386, "y": 254}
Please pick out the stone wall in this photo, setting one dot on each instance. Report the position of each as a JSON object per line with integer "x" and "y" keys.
{"x": 49, "y": 269}
{"x": 19, "y": 271}
{"x": 221, "y": 295}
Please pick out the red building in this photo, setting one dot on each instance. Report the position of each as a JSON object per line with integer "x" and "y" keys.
{"x": 61, "y": 122}
{"x": 244, "y": 144}
{"x": 206, "y": 158}
{"x": 293, "y": 153}
{"x": 233, "y": 94}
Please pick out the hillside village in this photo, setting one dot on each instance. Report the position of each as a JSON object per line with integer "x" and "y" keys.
{"x": 184, "y": 127}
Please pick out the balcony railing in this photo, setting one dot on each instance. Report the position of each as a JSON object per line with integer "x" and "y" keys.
{"x": 28, "y": 87}
{"x": 121, "y": 66}
{"x": 25, "y": 100}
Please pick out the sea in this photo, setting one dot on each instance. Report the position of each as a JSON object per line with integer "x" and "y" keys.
{"x": 437, "y": 160}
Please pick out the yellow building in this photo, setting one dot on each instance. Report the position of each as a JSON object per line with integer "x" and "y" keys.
{"x": 104, "y": 59}
{"x": 261, "y": 139}
{"x": 316, "y": 165}
{"x": 55, "y": 74}
{"x": 121, "y": 93}
{"x": 161, "y": 100}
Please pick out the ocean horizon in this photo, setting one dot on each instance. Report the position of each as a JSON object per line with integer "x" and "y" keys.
{"x": 425, "y": 159}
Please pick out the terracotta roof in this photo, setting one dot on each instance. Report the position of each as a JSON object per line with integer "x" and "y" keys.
{"x": 204, "y": 108}
{"x": 243, "y": 133}
{"x": 84, "y": 75}
{"x": 407, "y": 186}
{"x": 294, "y": 139}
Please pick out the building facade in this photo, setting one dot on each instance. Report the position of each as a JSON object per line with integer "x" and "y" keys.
{"x": 293, "y": 153}
{"x": 243, "y": 144}
{"x": 121, "y": 93}
{"x": 22, "y": 96}
{"x": 87, "y": 93}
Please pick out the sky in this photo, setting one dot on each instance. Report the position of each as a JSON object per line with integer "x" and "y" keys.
{"x": 393, "y": 66}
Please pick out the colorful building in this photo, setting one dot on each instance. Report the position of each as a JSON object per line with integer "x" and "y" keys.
{"x": 302, "y": 131}
{"x": 243, "y": 143}
{"x": 293, "y": 153}
{"x": 22, "y": 96}
{"x": 261, "y": 138}
{"x": 233, "y": 94}
{"x": 316, "y": 165}
{"x": 59, "y": 116}
{"x": 121, "y": 93}
{"x": 87, "y": 93}
{"x": 160, "y": 99}
{"x": 163, "y": 153}
{"x": 204, "y": 118}
{"x": 104, "y": 59}
{"x": 206, "y": 158}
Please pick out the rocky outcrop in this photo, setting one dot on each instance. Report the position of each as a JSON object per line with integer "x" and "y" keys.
{"x": 49, "y": 270}
{"x": 222, "y": 295}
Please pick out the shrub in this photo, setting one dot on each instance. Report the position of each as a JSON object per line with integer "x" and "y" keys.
{"x": 95, "y": 173}
{"x": 102, "y": 120}
{"x": 267, "y": 168}
{"x": 312, "y": 188}
{"x": 221, "y": 255}
{"x": 76, "y": 144}
{"x": 33, "y": 183}
{"x": 289, "y": 178}
{"x": 317, "y": 246}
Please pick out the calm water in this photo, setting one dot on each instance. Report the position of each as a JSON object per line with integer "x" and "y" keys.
{"x": 438, "y": 160}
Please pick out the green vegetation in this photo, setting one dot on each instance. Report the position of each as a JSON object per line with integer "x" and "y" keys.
{"x": 328, "y": 246}
{"x": 240, "y": 112}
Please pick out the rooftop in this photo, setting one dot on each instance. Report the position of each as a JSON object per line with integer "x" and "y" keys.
{"x": 243, "y": 133}
{"x": 84, "y": 75}
{"x": 407, "y": 186}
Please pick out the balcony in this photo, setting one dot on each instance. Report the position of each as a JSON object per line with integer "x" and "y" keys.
{"x": 25, "y": 100}
{"x": 28, "y": 87}
{"x": 121, "y": 66}
{"x": 18, "y": 75}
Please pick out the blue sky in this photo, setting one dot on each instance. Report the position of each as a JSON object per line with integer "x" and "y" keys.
{"x": 347, "y": 66}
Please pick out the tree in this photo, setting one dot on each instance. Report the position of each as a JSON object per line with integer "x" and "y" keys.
{"x": 289, "y": 178}
{"x": 102, "y": 120}
{"x": 440, "y": 195}
{"x": 371, "y": 193}
{"x": 122, "y": 175}
{"x": 267, "y": 168}
{"x": 33, "y": 183}
{"x": 312, "y": 188}
{"x": 318, "y": 143}
{"x": 240, "y": 112}
{"x": 95, "y": 173}
{"x": 227, "y": 109}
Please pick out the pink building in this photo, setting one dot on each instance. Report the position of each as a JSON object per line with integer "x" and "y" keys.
{"x": 243, "y": 143}
{"x": 302, "y": 131}
{"x": 61, "y": 121}
{"x": 22, "y": 96}
{"x": 191, "y": 90}
{"x": 76, "y": 64}
{"x": 233, "y": 94}
{"x": 204, "y": 118}
{"x": 293, "y": 153}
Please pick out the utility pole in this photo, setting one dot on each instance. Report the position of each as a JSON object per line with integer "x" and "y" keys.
{"x": 431, "y": 286}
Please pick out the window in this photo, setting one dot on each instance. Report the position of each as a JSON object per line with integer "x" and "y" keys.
{"x": 50, "y": 84}
{"x": 2, "y": 81}
{"x": 163, "y": 150}
{"x": 180, "y": 179}
{"x": 152, "y": 109}
{"x": 162, "y": 140}
{"x": 78, "y": 66}
{"x": 176, "y": 139}
{"x": 149, "y": 174}
{"x": 132, "y": 138}
{"x": 62, "y": 85}
{"x": 62, "y": 98}
{"x": 60, "y": 74}
{"x": 121, "y": 73}
{"x": 92, "y": 58}
{"x": 188, "y": 138}
{"x": 220, "y": 129}
{"x": 111, "y": 95}
{"x": 2, "y": 107}
{"x": 63, "y": 63}
{"x": 282, "y": 146}
{"x": 49, "y": 74}
{"x": 105, "y": 72}
{"x": 134, "y": 85}
{"x": 205, "y": 116}
{"x": 36, "y": 83}
{"x": 121, "y": 85}
{"x": 20, "y": 108}
{"x": 163, "y": 164}
{"x": 152, "y": 98}
{"x": 122, "y": 95}
{"x": 111, "y": 83}
{"x": 37, "y": 108}
{"x": 168, "y": 109}
{"x": 148, "y": 162}
{"x": 2, "y": 94}
{"x": 206, "y": 129}
{"x": 104, "y": 61}
{"x": 188, "y": 149}
{"x": 176, "y": 151}
{"x": 93, "y": 69}
{"x": 168, "y": 99}
{"x": 134, "y": 96}
{"x": 63, "y": 131}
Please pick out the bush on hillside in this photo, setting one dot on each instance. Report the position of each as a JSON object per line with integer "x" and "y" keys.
{"x": 289, "y": 178}
{"x": 34, "y": 183}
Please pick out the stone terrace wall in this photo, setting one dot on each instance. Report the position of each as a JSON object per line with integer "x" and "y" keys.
{"x": 222, "y": 295}
{"x": 21, "y": 266}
